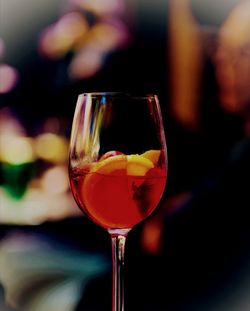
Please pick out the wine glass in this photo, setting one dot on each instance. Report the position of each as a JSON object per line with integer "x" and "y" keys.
{"x": 117, "y": 167}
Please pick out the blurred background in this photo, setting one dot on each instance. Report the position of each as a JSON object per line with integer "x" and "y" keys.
{"x": 193, "y": 254}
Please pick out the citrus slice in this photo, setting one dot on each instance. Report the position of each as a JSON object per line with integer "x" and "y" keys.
{"x": 134, "y": 165}
{"x": 138, "y": 165}
{"x": 109, "y": 165}
{"x": 152, "y": 155}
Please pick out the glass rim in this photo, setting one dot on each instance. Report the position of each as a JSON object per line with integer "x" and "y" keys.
{"x": 117, "y": 94}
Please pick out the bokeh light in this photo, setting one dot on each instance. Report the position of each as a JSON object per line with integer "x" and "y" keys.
{"x": 88, "y": 32}
{"x": 8, "y": 78}
{"x": 51, "y": 147}
{"x": 100, "y": 7}
{"x": 59, "y": 38}
{"x": 86, "y": 64}
{"x": 232, "y": 59}
{"x": 34, "y": 181}
{"x": 16, "y": 149}
{"x": 9, "y": 124}
{"x": 108, "y": 35}
{"x": 55, "y": 180}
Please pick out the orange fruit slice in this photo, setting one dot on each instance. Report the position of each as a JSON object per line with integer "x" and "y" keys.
{"x": 138, "y": 165}
{"x": 110, "y": 165}
{"x": 134, "y": 164}
{"x": 152, "y": 155}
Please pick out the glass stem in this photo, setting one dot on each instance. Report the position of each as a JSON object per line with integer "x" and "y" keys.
{"x": 118, "y": 249}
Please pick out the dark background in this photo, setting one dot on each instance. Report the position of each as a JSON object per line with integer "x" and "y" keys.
{"x": 204, "y": 261}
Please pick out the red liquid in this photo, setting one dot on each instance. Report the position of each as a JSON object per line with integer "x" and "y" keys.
{"x": 117, "y": 200}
